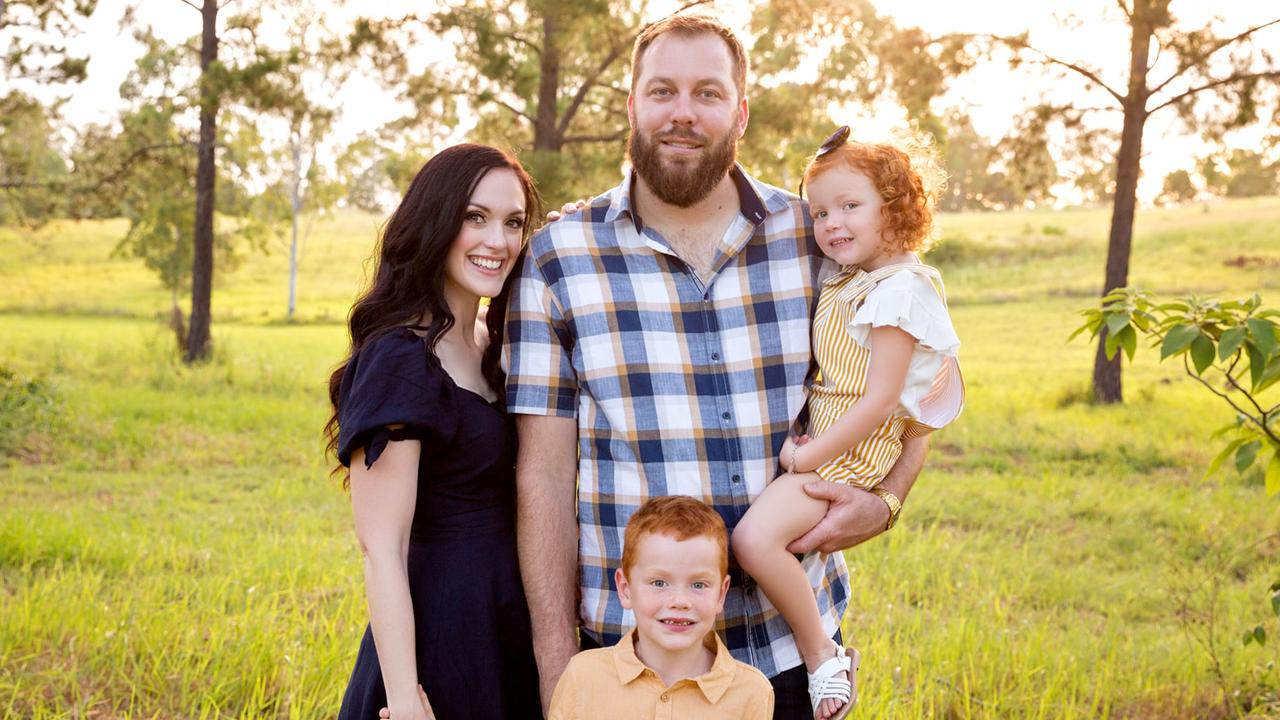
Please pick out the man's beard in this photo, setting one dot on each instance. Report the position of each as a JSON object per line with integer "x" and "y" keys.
{"x": 681, "y": 183}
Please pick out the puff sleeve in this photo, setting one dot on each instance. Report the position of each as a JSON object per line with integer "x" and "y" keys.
{"x": 933, "y": 392}
{"x": 908, "y": 301}
{"x": 393, "y": 381}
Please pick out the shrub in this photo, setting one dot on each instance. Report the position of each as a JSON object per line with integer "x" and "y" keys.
{"x": 28, "y": 413}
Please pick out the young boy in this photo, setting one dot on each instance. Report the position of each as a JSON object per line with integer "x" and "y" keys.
{"x": 674, "y": 576}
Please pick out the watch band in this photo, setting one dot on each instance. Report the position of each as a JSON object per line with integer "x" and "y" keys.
{"x": 895, "y": 505}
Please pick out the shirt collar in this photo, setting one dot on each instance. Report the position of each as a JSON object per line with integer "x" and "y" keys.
{"x": 714, "y": 683}
{"x": 755, "y": 200}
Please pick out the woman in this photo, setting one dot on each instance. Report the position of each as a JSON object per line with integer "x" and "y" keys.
{"x": 418, "y": 418}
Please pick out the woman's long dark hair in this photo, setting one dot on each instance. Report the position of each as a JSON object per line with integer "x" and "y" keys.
{"x": 408, "y": 276}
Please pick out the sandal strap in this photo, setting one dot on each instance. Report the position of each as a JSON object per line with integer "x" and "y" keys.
{"x": 824, "y": 685}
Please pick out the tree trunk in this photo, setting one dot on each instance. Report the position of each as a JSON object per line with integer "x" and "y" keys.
{"x": 546, "y": 136}
{"x": 1106, "y": 373}
{"x": 297, "y": 210}
{"x": 202, "y": 263}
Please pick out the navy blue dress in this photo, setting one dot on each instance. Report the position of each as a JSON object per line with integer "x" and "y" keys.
{"x": 474, "y": 653}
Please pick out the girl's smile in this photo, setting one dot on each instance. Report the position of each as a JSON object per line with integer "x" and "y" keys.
{"x": 848, "y": 219}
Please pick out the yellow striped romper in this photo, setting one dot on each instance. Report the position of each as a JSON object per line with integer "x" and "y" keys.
{"x": 843, "y": 364}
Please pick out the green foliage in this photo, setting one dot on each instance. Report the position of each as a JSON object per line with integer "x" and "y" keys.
{"x": 38, "y": 38}
{"x": 185, "y": 554}
{"x": 157, "y": 196}
{"x": 1228, "y": 341}
{"x": 32, "y": 171}
{"x": 1241, "y": 173}
{"x": 1178, "y": 188}
{"x": 29, "y": 409}
{"x": 550, "y": 79}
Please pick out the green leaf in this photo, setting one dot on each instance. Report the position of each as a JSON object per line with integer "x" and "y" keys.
{"x": 1129, "y": 341}
{"x": 1201, "y": 353}
{"x": 1231, "y": 341}
{"x": 1273, "y": 478}
{"x": 1224, "y": 430}
{"x": 1269, "y": 376}
{"x": 1113, "y": 341}
{"x": 1177, "y": 339}
{"x": 1275, "y": 600}
{"x": 1079, "y": 330}
{"x": 1222, "y": 456}
{"x": 1259, "y": 635}
{"x": 1117, "y": 322}
{"x": 1257, "y": 364}
{"x": 1246, "y": 455}
{"x": 1246, "y": 637}
{"x": 1264, "y": 335}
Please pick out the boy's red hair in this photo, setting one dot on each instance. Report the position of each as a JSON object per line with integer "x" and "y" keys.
{"x": 679, "y": 516}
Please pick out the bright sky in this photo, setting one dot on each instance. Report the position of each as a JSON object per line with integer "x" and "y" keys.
{"x": 991, "y": 93}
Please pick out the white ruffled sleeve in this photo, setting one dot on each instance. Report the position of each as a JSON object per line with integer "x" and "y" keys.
{"x": 908, "y": 301}
{"x": 933, "y": 392}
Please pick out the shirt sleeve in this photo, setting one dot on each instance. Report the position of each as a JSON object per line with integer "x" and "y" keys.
{"x": 908, "y": 301}
{"x": 564, "y": 701}
{"x": 761, "y": 707}
{"x": 392, "y": 390}
{"x": 539, "y": 345}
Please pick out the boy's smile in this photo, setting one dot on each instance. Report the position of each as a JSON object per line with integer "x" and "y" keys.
{"x": 675, "y": 590}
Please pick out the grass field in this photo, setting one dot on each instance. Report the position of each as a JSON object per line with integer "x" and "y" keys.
{"x": 172, "y": 547}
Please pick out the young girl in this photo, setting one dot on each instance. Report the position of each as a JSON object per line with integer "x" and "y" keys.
{"x": 886, "y": 351}
{"x": 419, "y": 420}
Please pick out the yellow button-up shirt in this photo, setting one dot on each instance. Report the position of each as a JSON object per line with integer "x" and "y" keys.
{"x": 613, "y": 683}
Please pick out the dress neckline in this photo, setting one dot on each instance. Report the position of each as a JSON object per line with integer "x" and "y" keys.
{"x": 440, "y": 365}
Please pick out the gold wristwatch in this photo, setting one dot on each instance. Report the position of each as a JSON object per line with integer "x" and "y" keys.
{"x": 895, "y": 505}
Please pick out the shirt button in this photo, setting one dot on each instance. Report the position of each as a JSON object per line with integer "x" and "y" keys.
{"x": 666, "y": 697}
{"x": 737, "y": 478}
{"x": 725, "y": 415}
{"x": 715, "y": 356}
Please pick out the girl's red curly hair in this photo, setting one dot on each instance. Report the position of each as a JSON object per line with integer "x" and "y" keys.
{"x": 909, "y": 190}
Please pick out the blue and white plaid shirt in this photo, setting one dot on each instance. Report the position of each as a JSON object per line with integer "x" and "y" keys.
{"x": 679, "y": 387}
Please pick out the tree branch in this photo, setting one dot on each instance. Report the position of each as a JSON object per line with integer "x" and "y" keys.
{"x": 587, "y": 83}
{"x": 1051, "y": 60}
{"x": 127, "y": 164}
{"x": 1186, "y": 366}
{"x": 682, "y": 8}
{"x": 595, "y": 138}
{"x": 1207, "y": 55}
{"x": 1262, "y": 421}
{"x": 590, "y": 80}
{"x": 1216, "y": 83}
{"x": 614, "y": 88}
{"x": 194, "y": 6}
{"x": 124, "y": 167}
{"x": 508, "y": 35}
{"x": 504, "y": 105}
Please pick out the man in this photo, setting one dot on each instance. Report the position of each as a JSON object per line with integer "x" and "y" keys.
{"x": 658, "y": 345}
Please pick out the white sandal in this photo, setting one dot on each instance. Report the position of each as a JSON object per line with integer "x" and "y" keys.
{"x": 824, "y": 685}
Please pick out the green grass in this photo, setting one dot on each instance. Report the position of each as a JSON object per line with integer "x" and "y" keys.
{"x": 172, "y": 546}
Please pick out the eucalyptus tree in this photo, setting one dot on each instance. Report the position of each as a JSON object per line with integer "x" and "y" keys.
{"x": 551, "y": 78}
{"x": 1216, "y": 76}
{"x": 36, "y": 38}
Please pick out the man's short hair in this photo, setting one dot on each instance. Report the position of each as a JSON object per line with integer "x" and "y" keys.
{"x": 679, "y": 516}
{"x": 689, "y": 26}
